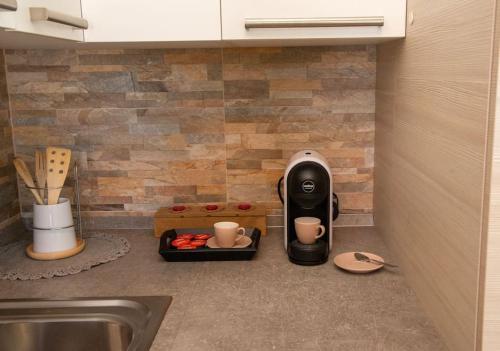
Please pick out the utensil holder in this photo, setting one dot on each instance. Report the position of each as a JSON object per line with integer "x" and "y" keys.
{"x": 54, "y": 226}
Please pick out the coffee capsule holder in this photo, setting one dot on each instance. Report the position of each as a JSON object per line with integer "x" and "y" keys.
{"x": 54, "y": 233}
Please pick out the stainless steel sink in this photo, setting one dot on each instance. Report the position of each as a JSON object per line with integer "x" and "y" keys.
{"x": 97, "y": 324}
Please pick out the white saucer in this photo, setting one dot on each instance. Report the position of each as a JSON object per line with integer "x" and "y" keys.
{"x": 348, "y": 262}
{"x": 241, "y": 242}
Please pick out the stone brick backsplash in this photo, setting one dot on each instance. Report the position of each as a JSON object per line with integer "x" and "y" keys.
{"x": 155, "y": 127}
{"x": 278, "y": 101}
{"x": 9, "y": 206}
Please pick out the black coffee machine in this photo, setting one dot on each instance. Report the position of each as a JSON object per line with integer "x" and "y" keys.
{"x": 307, "y": 192}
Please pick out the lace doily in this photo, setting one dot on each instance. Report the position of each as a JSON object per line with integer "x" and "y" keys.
{"x": 100, "y": 248}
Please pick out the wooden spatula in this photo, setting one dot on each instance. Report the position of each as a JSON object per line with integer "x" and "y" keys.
{"x": 40, "y": 171}
{"x": 58, "y": 160}
{"x": 25, "y": 174}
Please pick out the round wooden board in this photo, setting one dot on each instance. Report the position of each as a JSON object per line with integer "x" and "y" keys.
{"x": 48, "y": 256}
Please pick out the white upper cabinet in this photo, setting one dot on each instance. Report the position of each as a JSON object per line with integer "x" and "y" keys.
{"x": 51, "y": 18}
{"x": 152, "y": 20}
{"x": 8, "y": 9}
{"x": 320, "y": 20}
{"x": 185, "y": 22}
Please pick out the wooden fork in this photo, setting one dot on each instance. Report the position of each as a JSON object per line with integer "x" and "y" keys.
{"x": 41, "y": 171}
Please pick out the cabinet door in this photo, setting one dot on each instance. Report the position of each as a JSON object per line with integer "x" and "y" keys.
{"x": 67, "y": 9}
{"x": 8, "y": 9}
{"x": 152, "y": 20}
{"x": 312, "y": 19}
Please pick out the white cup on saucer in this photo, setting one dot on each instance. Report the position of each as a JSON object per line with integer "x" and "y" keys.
{"x": 226, "y": 233}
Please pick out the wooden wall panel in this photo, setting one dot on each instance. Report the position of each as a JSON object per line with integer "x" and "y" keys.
{"x": 489, "y": 290}
{"x": 431, "y": 123}
{"x": 490, "y": 304}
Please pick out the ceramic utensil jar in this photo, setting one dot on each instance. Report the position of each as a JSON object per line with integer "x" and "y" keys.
{"x": 53, "y": 228}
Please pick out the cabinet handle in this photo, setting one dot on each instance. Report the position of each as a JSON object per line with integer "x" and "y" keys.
{"x": 44, "y": 14}
{"x": 9, "y": 5}
{"x": 373, "y": 21}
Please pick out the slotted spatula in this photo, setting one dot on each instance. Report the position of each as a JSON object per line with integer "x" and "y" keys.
{"x": 25, "y": 174}
{"x": 40, "y": 171}
{"x": 58, "y": 160}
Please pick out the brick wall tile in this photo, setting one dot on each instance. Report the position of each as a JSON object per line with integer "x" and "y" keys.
{"x": 9, "y": 204}
{"x": 153, "y": 127}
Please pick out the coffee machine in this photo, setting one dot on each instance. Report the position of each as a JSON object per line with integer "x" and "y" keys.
{"x": 307, "y": 192}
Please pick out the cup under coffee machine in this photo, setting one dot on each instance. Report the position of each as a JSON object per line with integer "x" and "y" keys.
{"x": 307, "y": 195}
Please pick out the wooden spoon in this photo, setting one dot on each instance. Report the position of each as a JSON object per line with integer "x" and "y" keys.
{"x": 25, "y": 174}
{"x": 58, "y": 160}
{"x": 40, "y": 171}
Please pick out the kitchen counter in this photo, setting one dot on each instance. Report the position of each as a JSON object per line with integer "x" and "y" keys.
{"x": 264, "y": 304}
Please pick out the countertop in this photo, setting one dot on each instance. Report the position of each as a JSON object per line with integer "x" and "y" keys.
{"x": 263, "y": 304}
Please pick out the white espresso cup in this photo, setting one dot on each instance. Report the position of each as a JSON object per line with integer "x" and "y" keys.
{"x": 309, "y": 229}
{"x": 226, "y": 233}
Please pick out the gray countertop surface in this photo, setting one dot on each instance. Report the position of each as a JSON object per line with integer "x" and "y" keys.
{"x": 263, "y": 304}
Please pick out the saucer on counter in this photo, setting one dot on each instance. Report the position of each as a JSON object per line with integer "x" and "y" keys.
{"x": 349, "y": 263}
{"x": 241, "y": 242}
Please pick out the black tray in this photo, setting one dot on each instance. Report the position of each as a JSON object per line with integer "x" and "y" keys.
{"x": 171, "y": 254}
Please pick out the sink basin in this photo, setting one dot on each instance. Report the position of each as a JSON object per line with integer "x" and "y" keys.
{"x": 97, "y": 324}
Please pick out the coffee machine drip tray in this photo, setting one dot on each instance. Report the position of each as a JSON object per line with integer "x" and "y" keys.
{"x": 308, "y": 254}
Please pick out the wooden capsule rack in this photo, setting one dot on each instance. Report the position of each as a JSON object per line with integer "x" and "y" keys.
{"x": 204, "y": 216}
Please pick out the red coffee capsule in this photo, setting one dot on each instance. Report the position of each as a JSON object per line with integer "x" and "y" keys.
{"x": 211, "y": 207}
{"x": 180, "y": 242}
{"x": 244, "y": 206}
{"x": 185, "y": 236}
{"x": 198, "y": 243}
{"x": 178, "y": 208}
{"x": 202, "y": 236}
